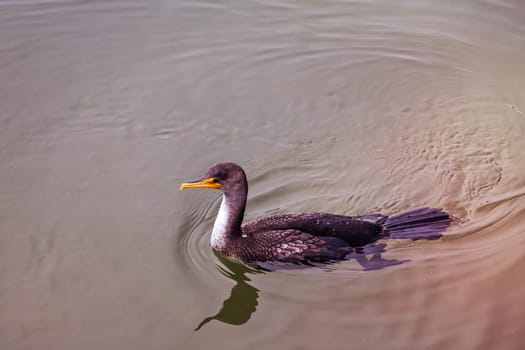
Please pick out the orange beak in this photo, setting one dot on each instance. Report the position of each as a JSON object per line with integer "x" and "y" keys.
{"x": 206, "y": 183}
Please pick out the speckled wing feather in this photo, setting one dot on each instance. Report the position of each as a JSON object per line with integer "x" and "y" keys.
{"x": 290, "y": 246}
{"x": 353, "y": 230}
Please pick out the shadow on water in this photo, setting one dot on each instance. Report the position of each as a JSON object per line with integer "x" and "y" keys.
{"x": 370, "y": 257}
{"x": 242, "y": 302}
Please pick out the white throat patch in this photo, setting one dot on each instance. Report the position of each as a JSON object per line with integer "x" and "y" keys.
{"x": 218, "y": 235}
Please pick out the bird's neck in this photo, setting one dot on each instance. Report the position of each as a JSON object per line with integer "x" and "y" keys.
{"x": 227, "y": 225}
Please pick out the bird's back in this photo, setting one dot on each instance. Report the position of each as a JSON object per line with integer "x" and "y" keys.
{"x": 350, "y": 229}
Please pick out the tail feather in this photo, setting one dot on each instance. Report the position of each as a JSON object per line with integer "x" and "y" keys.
{"x": 421, "y": 223}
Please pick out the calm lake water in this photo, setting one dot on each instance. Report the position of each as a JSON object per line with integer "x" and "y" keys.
{"x": 346, "y": 107}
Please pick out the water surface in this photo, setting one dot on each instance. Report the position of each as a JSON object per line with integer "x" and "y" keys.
{"x": 343, "y": 107}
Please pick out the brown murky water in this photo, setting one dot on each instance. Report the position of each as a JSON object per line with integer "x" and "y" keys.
{"x": 344, "y": 107}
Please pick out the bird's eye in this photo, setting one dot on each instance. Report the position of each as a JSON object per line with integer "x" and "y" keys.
{"x": 214, "y": 180}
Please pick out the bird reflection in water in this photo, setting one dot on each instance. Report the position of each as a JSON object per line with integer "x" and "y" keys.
{"x": 242, "y": 302}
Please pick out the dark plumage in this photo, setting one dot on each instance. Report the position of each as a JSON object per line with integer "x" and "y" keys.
{"x": 305, "y": 237}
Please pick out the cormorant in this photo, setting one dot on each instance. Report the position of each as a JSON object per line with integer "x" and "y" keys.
{"x": 304, "y": 237}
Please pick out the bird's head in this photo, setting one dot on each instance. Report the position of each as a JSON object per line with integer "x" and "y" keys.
{"x": 227, "y": 177}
